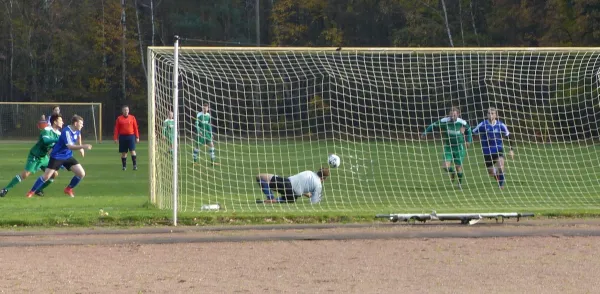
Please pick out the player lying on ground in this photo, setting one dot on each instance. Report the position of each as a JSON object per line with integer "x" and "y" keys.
{"x": 306, "y": 183}
{"x": 62, "y": 155}
{"x": 38, "y": 156}
{"x": 204, "y": 134}
{"x": 453, "y": 129}
{"x": 491, "y": 131}
{"x": 168, "y": 127}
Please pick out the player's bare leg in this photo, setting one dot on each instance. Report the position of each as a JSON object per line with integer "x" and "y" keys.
{"x": 448, "y": 167}
{"x": 124, "y": 160}
{"x": 501, "y": 181}
{"x": 79, "y": 175}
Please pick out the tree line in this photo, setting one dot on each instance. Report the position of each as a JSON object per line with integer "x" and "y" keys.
{"x": 95, "y": 50}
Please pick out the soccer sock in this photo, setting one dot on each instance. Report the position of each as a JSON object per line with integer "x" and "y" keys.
{"x": 124, "y": 161}
{"x": 460, "y": 177}
{"x": 500, "y": 177}
{"x": 265, "y": 188}
{"x": 195, "y": 154}
{"x": 13, "y": 182}
{"x": 46, "y": 184}
{"x": 450, "y": 170}
{"x": 38, "y": 184}
{"x": 212, "y": 153}
{"x": 74, "y": 182}
{"x": 134, "y": 160}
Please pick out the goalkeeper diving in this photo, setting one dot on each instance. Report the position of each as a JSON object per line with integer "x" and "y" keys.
{"x": 453, "y": 129}
{"x": 307, "y": 183}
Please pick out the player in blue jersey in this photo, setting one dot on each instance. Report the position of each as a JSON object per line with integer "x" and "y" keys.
{"x": 493, "y": 134}
{"x": 62, "y": 155}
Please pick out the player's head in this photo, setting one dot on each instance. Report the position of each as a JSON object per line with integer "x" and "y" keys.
{"x": 492, "y": 114}
{"x": 323, "y": 173}
{"x": 77, "y": 122}
{"x": 205, "y": 107}
{"x": 125, "y": 110}
{"x": 56, "y": 120}
{"x": 56, "y": 109}
{"x": 170, "y": 114}
{"x": 454, "y": 113}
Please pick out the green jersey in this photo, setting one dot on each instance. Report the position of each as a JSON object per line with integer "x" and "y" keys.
{"x": 48, "y": 137}
{"x": 168, "y": 127}
{"x": 203, "y": 126}
{"x": 453, "y": 132}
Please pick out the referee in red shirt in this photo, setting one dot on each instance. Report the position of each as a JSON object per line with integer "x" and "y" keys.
{"x": 127, "y": 134}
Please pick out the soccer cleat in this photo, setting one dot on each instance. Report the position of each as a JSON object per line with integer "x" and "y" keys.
{"x": 134, "y": 167}
{"x": 124, "y": 168}
{"x": 216, "y": 163}
{"x": 459, "y": 186}
{"x": 39, "y": 193}
{"x": 29, "y": 194}
{"x": 3, "y": 192}
{"x": 69, "y": 191}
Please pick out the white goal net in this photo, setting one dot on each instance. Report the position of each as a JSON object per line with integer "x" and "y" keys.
{"x": 20, "y": 121}
{"x": 283, "y": 110}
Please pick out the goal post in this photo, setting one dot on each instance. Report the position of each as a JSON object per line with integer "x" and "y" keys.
{"x": 281, "y": 111}
{"x": 19, "y": 121}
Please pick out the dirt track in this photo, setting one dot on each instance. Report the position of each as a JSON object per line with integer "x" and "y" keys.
{"x": 530, "y": 256}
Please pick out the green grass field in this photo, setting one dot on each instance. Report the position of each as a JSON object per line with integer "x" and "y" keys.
{"x": 557, "y": 179}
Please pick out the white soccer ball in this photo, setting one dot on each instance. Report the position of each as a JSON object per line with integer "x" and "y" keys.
{"x": 334, "y": 160}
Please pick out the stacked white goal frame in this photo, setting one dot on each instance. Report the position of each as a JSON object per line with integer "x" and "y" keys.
{"x": 282, "y": 110}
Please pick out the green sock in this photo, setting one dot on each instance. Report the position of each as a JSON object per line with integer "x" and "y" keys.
{"x": 451, "y": 170}
{"x": 13, "y": 182}
{"x": 46, "y": 184}
{"x": 460, "y": 177}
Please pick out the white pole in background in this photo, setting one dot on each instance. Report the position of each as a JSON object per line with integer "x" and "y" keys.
{"x": 175, "y": 125}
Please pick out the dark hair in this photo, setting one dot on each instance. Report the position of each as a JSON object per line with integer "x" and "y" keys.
{"x": 76, "y": 118}
{"x": 55, "y": 107}
{"x": 323, "y": 173}
{"x": 54, "y": 118}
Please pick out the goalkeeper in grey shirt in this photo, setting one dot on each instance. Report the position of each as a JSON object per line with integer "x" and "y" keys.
{"x": 306, "y": 183}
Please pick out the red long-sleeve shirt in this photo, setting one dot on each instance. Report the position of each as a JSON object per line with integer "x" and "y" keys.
{"x": 126, "y": 126}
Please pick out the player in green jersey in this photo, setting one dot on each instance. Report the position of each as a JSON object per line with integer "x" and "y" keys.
{"x": 204, "y": 133}
{"x": 453, "y": 129}
{"x": 168, "y": 126}
{"x": 38, "y": 155}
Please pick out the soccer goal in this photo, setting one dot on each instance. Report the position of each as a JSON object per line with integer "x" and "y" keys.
{"x": 20, "y": 121}
{"x": 283, "y": 110}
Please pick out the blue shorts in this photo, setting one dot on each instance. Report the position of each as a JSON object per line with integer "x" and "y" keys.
{"x": 126, "y": 143}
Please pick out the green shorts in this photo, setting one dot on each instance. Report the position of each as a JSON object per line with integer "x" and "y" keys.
{"x": 455, "y": 153}
{"x": 205, "y": 139}
{"x": 35, "y": 164}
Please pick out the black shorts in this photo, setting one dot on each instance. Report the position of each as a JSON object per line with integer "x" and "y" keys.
{"x": 126, "y": 143}
{"x": 55, "y": 164}
{"x": 491, "y": 159}
{"x": 283, "y": 186}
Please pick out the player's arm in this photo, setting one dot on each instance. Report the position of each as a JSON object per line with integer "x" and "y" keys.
{"x": 116, "y": 132}
{"x": 430, "y": 128}
{"x": 47, "y": 138}
{"x": 469, "y": 133}
{"x": 508, "y": 140}
{"x": 316, "y": 195}
{"x": 478, "y": 129}
{"x": 72, "y": 146}
{"x": 80, "y": 142}
{"x": 198, "y": 132}
{"x": 136, "y": 130}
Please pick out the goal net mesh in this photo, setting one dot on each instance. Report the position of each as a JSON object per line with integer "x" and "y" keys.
{"x": 282, "y": 111}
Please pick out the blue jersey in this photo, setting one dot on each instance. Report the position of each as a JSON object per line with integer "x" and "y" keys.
{"x": 67, "y": 137}
{"x": 491, "y": 136}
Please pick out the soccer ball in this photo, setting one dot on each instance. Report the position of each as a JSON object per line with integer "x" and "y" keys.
{"x": 334, "y": 160}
